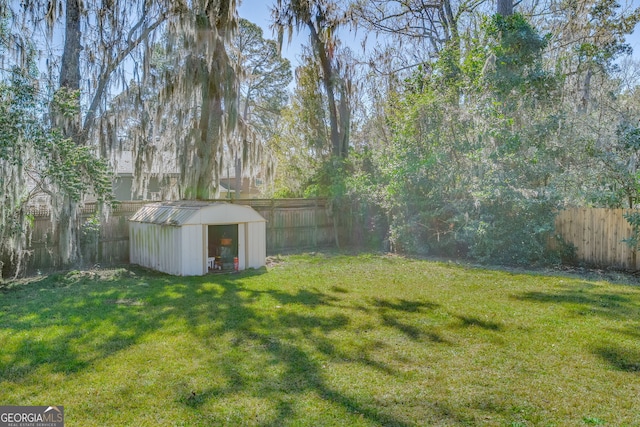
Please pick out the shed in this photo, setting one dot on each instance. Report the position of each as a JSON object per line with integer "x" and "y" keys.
{"x": 190, "y": 238}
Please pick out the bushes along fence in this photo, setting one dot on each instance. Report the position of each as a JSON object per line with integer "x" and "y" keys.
{"x": 295, "y": 224}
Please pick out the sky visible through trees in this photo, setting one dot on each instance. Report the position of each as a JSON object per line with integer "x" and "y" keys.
{"x": 258, "y": 12}
{"x": 458, "y": 130}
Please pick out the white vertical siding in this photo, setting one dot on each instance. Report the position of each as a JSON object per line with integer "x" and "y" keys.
{"x": 257, "y": 244}
{"x": 181, "y": 248}
{"x": 171, "y": 248}
{"x": 193, "y": 254}
{"x": 154, "y": 246}
{"x": 242, "y": 246}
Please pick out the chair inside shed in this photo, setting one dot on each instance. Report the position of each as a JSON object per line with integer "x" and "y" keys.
{"x": 222, "y": 246}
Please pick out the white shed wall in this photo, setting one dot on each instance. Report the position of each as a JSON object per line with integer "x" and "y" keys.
{"x": 156, "y": 247}
{"x": 257, "y": 244}
{"x": 181, "y": 248}
{"x": 193, "y": 254}
{"x": 242, "y": 246}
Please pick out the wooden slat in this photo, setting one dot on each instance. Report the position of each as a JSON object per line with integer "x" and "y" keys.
{"x": 597, "y": 235}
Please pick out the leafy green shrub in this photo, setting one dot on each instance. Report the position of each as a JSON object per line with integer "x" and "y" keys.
{"x": 515, "y": 229}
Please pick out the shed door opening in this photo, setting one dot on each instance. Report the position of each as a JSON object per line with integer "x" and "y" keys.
{"x": 222, "y": 246}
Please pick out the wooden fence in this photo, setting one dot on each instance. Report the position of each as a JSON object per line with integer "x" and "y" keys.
{"x": 291, "y": 224}
{"x": 597, "y": 235}
{"x": 294, "y": 224}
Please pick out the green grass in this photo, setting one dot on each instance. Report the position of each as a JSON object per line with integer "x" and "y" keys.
{"x": 324, "y": 340}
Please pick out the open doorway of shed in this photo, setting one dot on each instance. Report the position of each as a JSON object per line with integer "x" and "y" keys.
{"x": 222, "y": 246}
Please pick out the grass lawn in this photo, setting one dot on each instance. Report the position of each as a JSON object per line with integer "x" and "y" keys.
{"x": 324, "y": 340}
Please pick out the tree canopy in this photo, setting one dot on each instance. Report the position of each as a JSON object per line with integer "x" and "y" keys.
{"x": 460, "y": 127}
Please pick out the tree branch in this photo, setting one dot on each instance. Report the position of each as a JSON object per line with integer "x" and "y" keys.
{"x": 111, "y": 67}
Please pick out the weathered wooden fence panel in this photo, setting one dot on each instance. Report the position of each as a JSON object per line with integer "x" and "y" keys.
{"x": 295, "y": 223}
{"x": 291, "y": 224}
{"x": 597, "y": 235}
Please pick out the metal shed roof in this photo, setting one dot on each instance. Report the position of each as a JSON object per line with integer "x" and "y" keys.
{"x": 194, "y": 212}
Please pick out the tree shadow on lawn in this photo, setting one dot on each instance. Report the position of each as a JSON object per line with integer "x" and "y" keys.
{"x": 288, "y": 340}
{"x": 587, "y": 299}
{"x": 620, "y": 358}
{"x": 69, "y": 324}
{"x": 62, "y": 323}
{"x": 392, "y": 312}
{"x": 470, "y": 321}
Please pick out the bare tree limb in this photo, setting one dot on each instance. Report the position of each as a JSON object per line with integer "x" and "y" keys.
{"x": 110, "y": 68}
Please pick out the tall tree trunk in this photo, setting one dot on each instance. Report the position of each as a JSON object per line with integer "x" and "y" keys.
{"x": 202, "y": 163}
{"x": 451, "y": 22}
{"x": 65, "y": 210}
{"x": 238, "y": 178}
{"x": 70, "y": 67}
{"x": 210, "y": 130}
{"x": 345, "y": 121}
{"x": 452, "y": 39}
{"x": 586, "y": 92}
{"x": 505, "y": 7}
{"x": 240, "y": 158}
{"x": 329, "y": 80}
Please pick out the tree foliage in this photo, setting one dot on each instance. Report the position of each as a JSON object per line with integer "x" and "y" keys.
{"x": 185, "y": 110}
{"x": 322, "y": 18}
{"x": 472, "y": 165}
{"x": 263, "y": 81}
{"x": 303, "y": 143}
{"x": 469, "y": 130}
{"x": 36, "y": 157}
{"x": 264, "y": 76}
